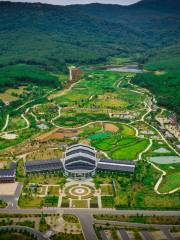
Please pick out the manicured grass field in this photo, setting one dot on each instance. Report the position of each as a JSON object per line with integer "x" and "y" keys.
{"x": 107, "y": 201}
{"x": 79, "y": 204}
{"x": 119, "y": 147}
{"x": 100, "y": 135}
{"x": 33, "y": 202}
{"x": 171, "y": 181}
{"x": 130, "y": 152}
{"x": 45, "y": 179}
{"x": 51, "y": 201}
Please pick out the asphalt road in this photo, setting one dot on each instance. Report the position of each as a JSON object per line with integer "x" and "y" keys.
{"x": 86, "y": 218}
{"x": 124, "y": 234}
{"x": 146, "y": 235}
{"x": 90, "y": 211}
{"x": 86, "y": 221}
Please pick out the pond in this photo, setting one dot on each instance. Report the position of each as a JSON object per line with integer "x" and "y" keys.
{"x": 165, "y": 159}
{"x": 127, "y": 68}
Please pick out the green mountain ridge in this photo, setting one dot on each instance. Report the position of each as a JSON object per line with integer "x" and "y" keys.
{"x": 82, "y": 34}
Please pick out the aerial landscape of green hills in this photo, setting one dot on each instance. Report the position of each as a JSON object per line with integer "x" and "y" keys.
{"x": 90, "y": 119}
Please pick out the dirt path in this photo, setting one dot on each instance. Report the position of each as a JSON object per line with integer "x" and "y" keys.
{"x": 58, "y": 116}
{"x": 63, "y": 92}
{"x": 145, "y": 150}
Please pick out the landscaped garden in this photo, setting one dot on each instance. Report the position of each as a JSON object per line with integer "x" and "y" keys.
{"x": 15, "y": 235}
{"x": 2, "y": 204}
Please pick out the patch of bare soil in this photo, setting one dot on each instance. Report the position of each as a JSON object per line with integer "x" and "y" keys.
{"x": 109, "y": 127}
{"x": 85, "y": 141}
{"x": 60, "y": 134}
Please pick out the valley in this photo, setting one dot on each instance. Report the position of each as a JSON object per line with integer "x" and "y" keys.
{"x": 115, "y": 116}
{"x": 90, "y": 120}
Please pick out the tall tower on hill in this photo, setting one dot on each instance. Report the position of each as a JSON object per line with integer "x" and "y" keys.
{"x": 74, "y": 73}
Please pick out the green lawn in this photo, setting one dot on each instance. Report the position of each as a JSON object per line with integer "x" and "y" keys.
{"x": 79, "y": 204}
{"x": 130, "y": 152}
{"x": 107, "y": 201}
{"x": 33, "y": 202}
{"x": 119, "y": 147}
{"x": 51, "y": 201}
{"x": 170, "y": 182}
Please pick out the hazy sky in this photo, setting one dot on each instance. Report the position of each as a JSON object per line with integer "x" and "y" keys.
{"x": 68, "y": 2}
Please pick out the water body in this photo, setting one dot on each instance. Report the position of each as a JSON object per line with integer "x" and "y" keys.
{"x": 161, "y": 150}
{"x": 165, "y": 159}
{"x": 127, "y": 68}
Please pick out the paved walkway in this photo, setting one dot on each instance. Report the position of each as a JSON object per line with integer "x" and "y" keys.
{"x": 6, "y": 123}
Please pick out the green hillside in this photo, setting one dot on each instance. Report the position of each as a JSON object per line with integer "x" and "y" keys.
{"x": 164, "y": 77}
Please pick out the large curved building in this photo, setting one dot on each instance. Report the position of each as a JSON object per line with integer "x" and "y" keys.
{"x": 80, "y": 161}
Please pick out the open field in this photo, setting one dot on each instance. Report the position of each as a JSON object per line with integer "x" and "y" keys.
{"x": 171, "y": 181}
{"x": 119, "y": 147}
{"x": 12, "y": 94}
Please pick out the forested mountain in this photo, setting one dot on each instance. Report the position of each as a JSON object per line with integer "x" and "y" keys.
{"x": 53, "y": 36}
{"x": 46, "y": 38}
{"x": 163, "y": 78}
